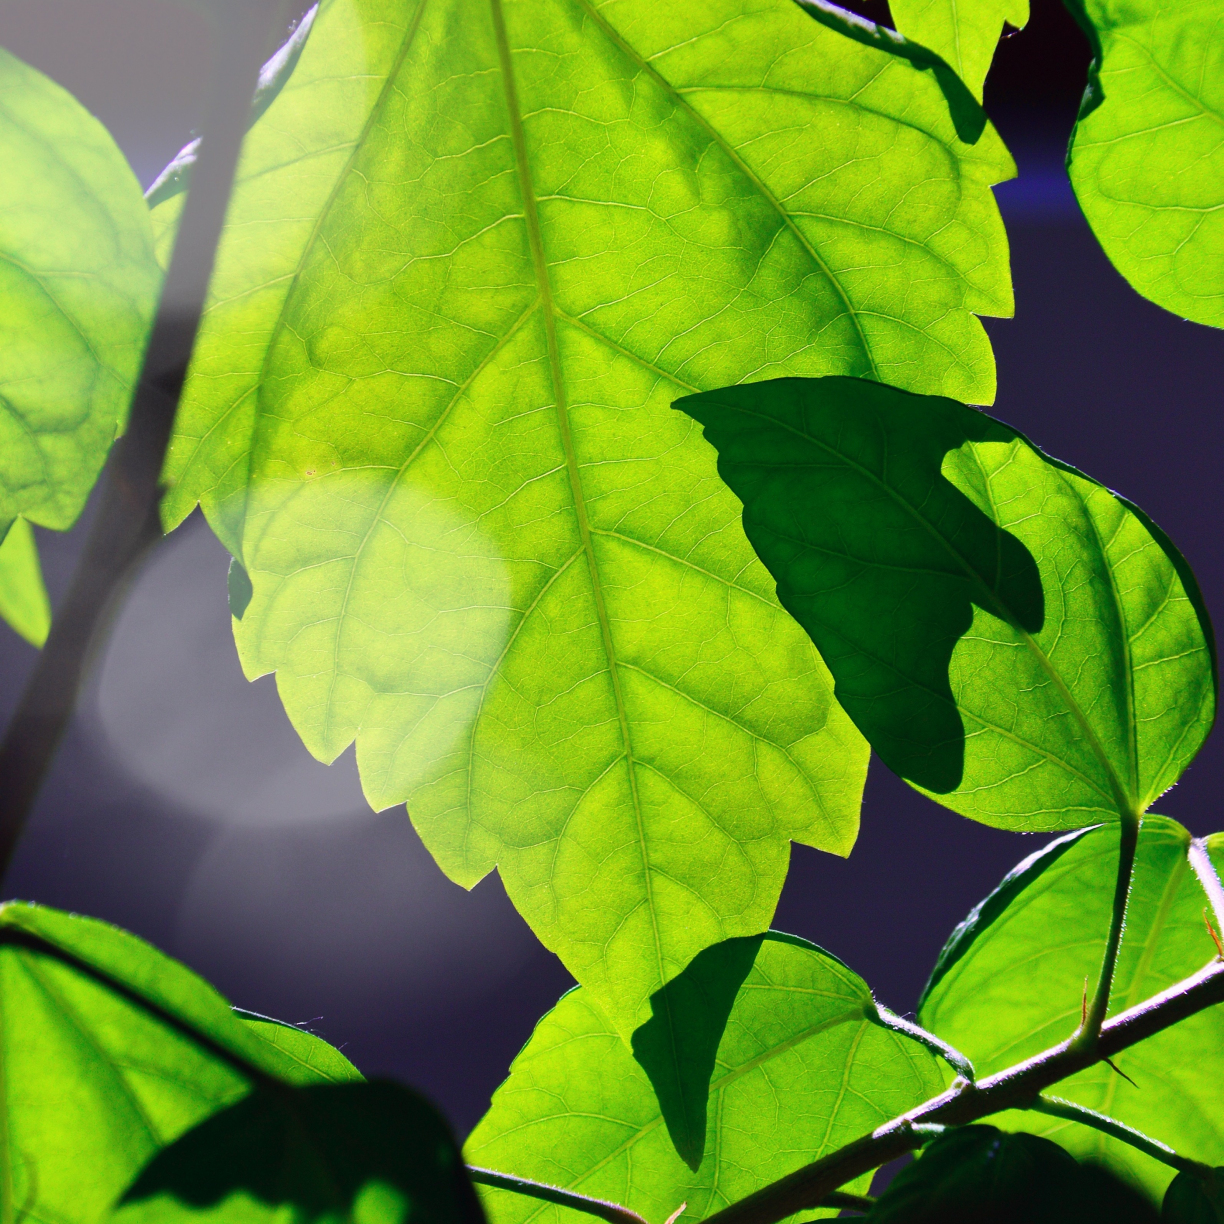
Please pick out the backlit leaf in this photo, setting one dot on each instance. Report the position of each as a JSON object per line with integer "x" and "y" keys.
{"x": 474, "y": 253}
{"x": 1147, "y": 155}
{"x": 78, "y": 284}
{"x": 23, "y": 597}
{"x": 1009, "y": 635}
{"x": 94, "y": 1084}
{"x": 363, "y": 1153}
{"x": 964, "y": 32}
{"x": 803, "y": 1065}
{"x": 1010, "y": 983}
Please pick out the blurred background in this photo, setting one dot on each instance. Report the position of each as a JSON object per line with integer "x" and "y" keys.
{"x": 183, "y": 807}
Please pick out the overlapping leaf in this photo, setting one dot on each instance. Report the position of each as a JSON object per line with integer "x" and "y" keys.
{"x": 1147, "y": 155}
{"x": 473, "y": 254}
{"x": 23, "y": 597}
{"x": 804, "y": 1065}
{"x": 964, "y": 32}
{"x": 78, "y": 283}
{"x": 1011, "y": 980}
{"x": 1009, "y": 635}
{"x": 93, "y": 1083}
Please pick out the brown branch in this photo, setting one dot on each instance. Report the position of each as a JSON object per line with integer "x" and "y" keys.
{"x": 1015, "y": 1088}
{"x": 128, "y": 522}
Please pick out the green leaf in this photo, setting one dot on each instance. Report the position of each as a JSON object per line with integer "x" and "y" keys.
{"x": 372, "y": 1153}
{"x": 93, "y": 1083}
{"x": 964, "y": 32}
{"x": 980, "y": 1173}
{"x": 23, "y": 597}
{"x": 1188, "y": 1200}
{"x": 473, "y": 255}
{"x": 1147, "y": 154}
{"x": 1009, "y": 635}
{"x": 1011, "y": 981}
{"x": 78, "y": 284}
{"x": 804, "y": 1065}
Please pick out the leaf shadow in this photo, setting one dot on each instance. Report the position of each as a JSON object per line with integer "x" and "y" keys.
{"x": 875, "y": 551}
{"x": 677, "y": 1046}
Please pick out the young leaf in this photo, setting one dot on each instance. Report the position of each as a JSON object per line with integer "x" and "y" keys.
{"x": 474, "y": 253}
{"x": 23, "y": 597}
{"x": 1010, "y": 983}
{"x": 1147, "y": 154}
{"x": 93, "y": 1082}
{"x": 980, "y": 1174}
{"x": 965, "y": 34}
{"x": 803, "y": 1066}
{"x": 371, "y": 1153}
{"x": 1188, "y": 1200}
{"x": 1010, "y": 636}
{"x": 78, "y": 284}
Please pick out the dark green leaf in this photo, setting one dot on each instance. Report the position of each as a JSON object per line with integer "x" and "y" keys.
{"x": 1011, "y": 983}
{"x": 1147, "y": 155}
{"x": 803, "y": 1065}
{"x": 1189, "y": 1200}
{"x": 93, "y": 1082}
{"x": 78, "y": 283}
{"x": 372, "y": 1153}
{"x": 1008, "y": 634}
{"x": 23, "y": 597}
{"x": 982, "y": 1175}
{"x": 964, "y": 34}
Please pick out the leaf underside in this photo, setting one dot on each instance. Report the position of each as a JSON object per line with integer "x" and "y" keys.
{"x": 474, "y": 253}
{"x": 1010, "y": 636}
{"x": 23, "y": 596}
{"x": 1010, "y": 990}
{"x": 802, "y": 1067}
{"x": 78, "y": 282}
{"x": 1147, "y": 154}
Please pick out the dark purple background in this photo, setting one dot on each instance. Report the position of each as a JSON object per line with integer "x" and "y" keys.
{"x": 1093, "y": 373}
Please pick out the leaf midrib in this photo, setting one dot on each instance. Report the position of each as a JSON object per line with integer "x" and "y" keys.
{"x": 535, "y": 237}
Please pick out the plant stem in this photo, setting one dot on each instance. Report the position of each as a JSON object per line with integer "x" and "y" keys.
{"x": 128, "y": 521}
{"x": 1014, "y": 1088}
{"x": 1056, "y": 1107}
{"x": 1204, "y": 868}
{"x": 950, "y": 1054}
{"x": 614, "y": 1213}
{"x": 1128, "y": 841}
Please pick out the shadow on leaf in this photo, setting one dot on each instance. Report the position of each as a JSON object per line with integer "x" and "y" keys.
{"x": 876, "y": 552}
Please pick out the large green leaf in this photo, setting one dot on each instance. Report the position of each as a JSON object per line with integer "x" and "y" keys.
{"x": 803, "y": 1065}
{"x": 474, "y": 253}
{"x": 23, "y": 597}
{"x": 964, "y": 32}
{"x": 1147, "y": 155}
{"x": 78, "y": 283}
{"x": 93, "y": 1084}
{"x": 363, "y": 1153}
{"x": 1011, "y": 981}
{"x": 1009, "y": 635}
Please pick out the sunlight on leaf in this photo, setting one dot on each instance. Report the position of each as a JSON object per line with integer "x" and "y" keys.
{"x": 474, "y": 253}
{"x": 78, "y": 284}
{"x": 1009, "y": 635}
{"x": 1147, "y": 155}
{"x": 93, "y": 1084}
{"x": 23, "y": 597}
{"x": 802, "y": 1067}
{"x": 1005, "y": 989}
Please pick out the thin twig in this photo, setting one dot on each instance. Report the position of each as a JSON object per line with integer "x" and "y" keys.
{"x": 1014, "y": 1088}
{"x": 1128, "y": 841}
{"x": 614, "y": 1213}
{"x": 128, "y": 522}
{"x": 1056, "y": 1107}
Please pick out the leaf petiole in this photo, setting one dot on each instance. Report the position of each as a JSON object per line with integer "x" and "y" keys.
{"x": 614, "y": 1213}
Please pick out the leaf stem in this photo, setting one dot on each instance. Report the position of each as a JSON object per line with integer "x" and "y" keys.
{"x": 1128, "y": 840}
{"x": 950, "y": 1054}
{"x": 1204, "y": 868}
{"x": 614, "y": 1213}
{"x": 1014, "y": 1088}
{"x": 128, "y": 521}
{"x": 1056, "y": 1107}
